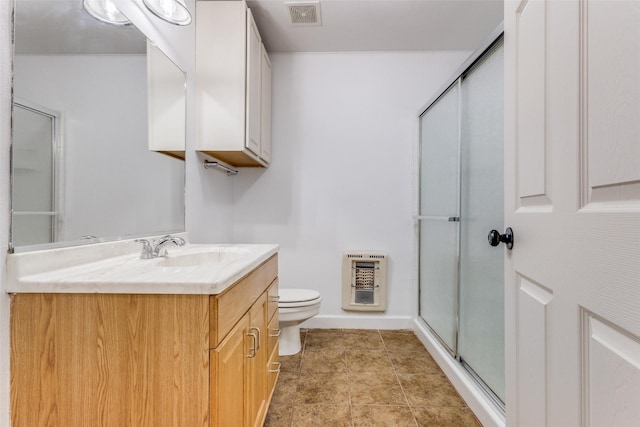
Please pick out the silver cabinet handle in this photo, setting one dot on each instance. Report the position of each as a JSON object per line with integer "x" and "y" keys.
{"x": 275, "y": 371}
{"x": 253, "y": 349}
{"x": 254, "y": 328}
{"x": 277, "y": 334}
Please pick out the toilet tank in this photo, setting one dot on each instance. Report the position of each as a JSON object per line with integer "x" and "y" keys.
{"x": 364, "y": 281}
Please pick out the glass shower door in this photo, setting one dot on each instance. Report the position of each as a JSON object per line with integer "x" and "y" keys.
{"x": 34, "y": 215}
{"x": 461, "y": 199}
{"x": 481, "y": 329}
{"x": 439, "y": 207}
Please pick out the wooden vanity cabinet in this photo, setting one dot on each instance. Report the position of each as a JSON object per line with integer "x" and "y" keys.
{"x": 238, "y": 377}
{"x": 82, "y": 360}
{"x": 229, "y": 377}
{"x": 273, "y": 334}
{"x": 241, "y": 381}
{"x": 257, "y": 362}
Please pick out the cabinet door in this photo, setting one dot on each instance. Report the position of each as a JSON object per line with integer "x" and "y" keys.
{"x": 228, "y": 377}
{"x": 273, "y": 369}
{"x": 257, "y": 365}
{"x": 273, "y": 299}
{"x": 166, "y": 103}
{"x": 253, "y": 85}
{"x": 265, "y": 113}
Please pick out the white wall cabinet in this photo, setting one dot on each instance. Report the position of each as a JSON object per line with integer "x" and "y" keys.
{"x": 265, "y": 111}
{"x": 233, "y": 79}
{"x": 166, "y": 104}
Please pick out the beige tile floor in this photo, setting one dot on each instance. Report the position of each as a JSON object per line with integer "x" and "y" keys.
{"x": 355, "y": 377}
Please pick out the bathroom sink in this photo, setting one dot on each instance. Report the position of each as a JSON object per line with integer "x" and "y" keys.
{"x": 117, "y": 268}
{"x": 212, "y": 256}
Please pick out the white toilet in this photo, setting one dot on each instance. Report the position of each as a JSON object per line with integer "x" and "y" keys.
{"x": 294, "y": 307}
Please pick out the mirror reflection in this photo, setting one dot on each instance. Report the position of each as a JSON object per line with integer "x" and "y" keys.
{"x": 88, "y": 101}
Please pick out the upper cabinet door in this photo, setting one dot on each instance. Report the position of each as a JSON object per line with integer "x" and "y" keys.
{"x": 254, "y": 85}
{"x": 265, "y": 138}
{"x": 229, "y": 85}
{"x": 166, "y": 104}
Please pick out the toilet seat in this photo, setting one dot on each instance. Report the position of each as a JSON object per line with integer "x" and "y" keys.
{"x": 295, "y": 306}
{"x": 298, "y": 297}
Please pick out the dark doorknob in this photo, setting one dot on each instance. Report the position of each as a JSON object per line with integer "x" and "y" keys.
{"x": 507, "y": 238}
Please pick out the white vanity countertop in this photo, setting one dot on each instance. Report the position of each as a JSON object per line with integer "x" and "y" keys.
{"x": 191, "y": 269}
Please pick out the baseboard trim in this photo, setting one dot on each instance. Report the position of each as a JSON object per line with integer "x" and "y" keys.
{"x": 486, "y": 411}
{"x": 359, "y": 322}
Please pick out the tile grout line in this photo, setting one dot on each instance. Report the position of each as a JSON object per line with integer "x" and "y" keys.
{"x": 346, "y": 367}
{"x": 298, "y": 375}
{"x": 386, "y": 349}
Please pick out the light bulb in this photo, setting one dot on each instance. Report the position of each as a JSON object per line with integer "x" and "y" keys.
{"x": 105, "y": 11}
{"x": 173, "y": 11}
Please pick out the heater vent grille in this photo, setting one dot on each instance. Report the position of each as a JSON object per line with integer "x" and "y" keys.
{"x": 365, "y": 275}
{"x": 364, "y": 281}
{"x": 304, "y": 13}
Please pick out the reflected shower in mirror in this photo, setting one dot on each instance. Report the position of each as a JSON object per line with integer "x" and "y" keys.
{"x": 82, "y": 170}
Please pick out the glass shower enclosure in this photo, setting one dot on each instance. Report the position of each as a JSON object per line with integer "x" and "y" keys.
{"x": 461, "y": 200}
{"x": 35, "y": 174}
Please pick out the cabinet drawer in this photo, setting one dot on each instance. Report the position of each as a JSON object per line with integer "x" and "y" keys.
{"x": 273, "y": 299}
{"x": 273, "y": 333}
{"x": 273, "y": 370}
{"x": 226, "y": 308}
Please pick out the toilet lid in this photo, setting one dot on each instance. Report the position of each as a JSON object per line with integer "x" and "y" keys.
{"x": 297, "y": 295}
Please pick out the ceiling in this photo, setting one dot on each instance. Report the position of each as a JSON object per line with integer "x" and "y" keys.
{"x": 380, "y": 25}
{"x": 62, "y": 26}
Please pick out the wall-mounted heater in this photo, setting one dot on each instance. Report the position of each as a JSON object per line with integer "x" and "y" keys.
{"x": 364, "y": 281}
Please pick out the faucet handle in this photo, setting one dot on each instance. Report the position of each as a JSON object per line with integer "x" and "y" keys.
{"x": 147, "y": 251}
{"x": 180, "y": 241}
{"x": 159, "y": 248}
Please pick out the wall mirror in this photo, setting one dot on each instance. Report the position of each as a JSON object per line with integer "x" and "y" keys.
{"x": 85, "y": 113}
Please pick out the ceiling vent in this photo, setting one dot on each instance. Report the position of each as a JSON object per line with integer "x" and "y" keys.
{"x": 304, "y": 13}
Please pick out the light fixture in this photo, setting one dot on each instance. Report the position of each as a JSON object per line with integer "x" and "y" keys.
{"x": 173, "y": 11}
{"x": 105, "y": 11}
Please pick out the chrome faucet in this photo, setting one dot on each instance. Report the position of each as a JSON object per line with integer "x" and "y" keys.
{"x": 151, "y": 249}
{"x": 147, "y": 251}
{"x": 159, "y": 248}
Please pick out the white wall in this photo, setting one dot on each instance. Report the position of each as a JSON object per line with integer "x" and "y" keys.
{"x": 6, "y": 8}
{"x": 113, "y": 185}
{"x": 208, "y": 193}
{"x": 342, "y": 172}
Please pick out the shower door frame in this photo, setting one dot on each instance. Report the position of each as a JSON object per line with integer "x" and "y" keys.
{"x": 457, "y": 82}
{"x": 494, "y": 40}
{"x": 57, "y": 159}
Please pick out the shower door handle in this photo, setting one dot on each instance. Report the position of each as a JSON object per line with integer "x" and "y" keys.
{"x": 507, "y": 238}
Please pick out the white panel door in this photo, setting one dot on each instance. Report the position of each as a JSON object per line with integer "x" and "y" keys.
{"x": 572, "y": 197}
